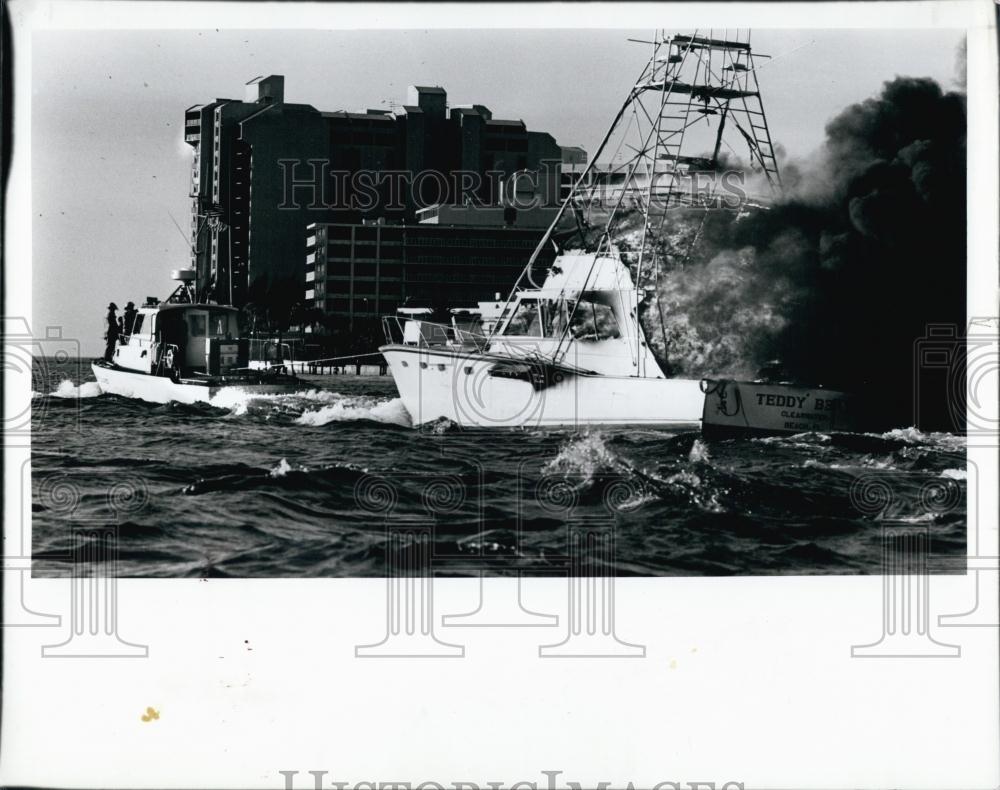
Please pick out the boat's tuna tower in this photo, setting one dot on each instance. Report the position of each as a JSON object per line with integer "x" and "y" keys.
{"x": 696, "y": 98}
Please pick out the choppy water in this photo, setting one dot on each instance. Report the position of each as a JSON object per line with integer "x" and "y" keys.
{"x": 314, "y": 483}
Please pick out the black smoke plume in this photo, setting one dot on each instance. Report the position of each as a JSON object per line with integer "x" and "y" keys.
{"x": 841, "y": 276}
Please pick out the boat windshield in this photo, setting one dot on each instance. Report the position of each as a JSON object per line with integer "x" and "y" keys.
{"x": 591, "y": 320}
{"x": 594, "y": 321}
{"x": 526, "y": 321}
{"x": 539, "y": 318}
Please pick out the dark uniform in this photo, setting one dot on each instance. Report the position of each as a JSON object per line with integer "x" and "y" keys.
{"x": 112, "y": 334}
{"x": 130, "y": 314}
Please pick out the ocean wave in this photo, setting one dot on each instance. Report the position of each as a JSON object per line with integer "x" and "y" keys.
{"x": 585, "y": 456}
{"x": 238, "y": 401}
{"x": 392, "y": 412}
{"x": 282, "y": 468}
{"x": 945, "y": 441}
{"x": 440, "y": 426}
{"x": 690, "y": 485}
{"x": 67, "y": 389}
{"x": 955, "y": 474}
{"x": 227, "y": 478}
{"x": 814, "y": 442}
{"x": 889, "y": 463}
{"x": 916, "y": 518}
{"x": 809, "y": 436}
{"x": 699, "y": 452}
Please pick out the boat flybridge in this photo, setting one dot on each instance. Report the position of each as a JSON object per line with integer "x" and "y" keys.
{"x": 567, "y": 347}
{"x": 185, "y": 351}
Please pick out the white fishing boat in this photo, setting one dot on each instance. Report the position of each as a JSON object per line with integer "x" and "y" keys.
{"x": 184, "y": 351}
{"x": 571, "y": 351}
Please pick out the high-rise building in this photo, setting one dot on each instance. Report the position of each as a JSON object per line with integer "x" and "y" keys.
{"x": 244, "y": 247}
{"x": 358, "y": 272}
{"x": 264, "y": 169}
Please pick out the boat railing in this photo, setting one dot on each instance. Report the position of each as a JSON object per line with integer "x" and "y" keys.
{"x": 264, "y": 349}
{"x": 428, "y": 334}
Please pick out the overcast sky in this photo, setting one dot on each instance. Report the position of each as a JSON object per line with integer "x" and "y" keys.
{"x": 109, "y": 165}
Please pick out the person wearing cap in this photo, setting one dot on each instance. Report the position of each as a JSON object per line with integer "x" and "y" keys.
{"x": 112, "y": 334}
{"x": 130, "y": 314}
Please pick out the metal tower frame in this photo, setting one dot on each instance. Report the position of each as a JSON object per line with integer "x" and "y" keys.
{"x": 688, "y": 79}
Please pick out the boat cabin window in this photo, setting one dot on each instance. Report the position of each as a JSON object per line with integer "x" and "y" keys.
{"x": 219, "y": 324}
{"x": 555, "y": 316}
{"x": 196, "y": 322}
{"x": 594, "y": 321}
{"x": 526, "y": 320}
{"x": 549, "y": 317}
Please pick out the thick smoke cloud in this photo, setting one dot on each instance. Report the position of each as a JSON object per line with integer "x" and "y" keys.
{"x": 841, "y": 276}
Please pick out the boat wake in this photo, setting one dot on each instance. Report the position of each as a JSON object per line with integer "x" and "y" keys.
{"x": 239, "y": 402}
{"x": 68, "y": 390}
{"x": 392, "y": 412}
{"x": 301, "y": 406}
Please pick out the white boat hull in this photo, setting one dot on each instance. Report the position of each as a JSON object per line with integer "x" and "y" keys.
{"x": 160, "y": 389}
{"x": 452, "y": 384}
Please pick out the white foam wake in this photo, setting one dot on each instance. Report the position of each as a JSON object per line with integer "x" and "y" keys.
{"x": 348, "y": 409}
{"x": 238, "y": 401}
{"x": 583, "y": 456}
{"x": 67, "y": 389}
{"x": 282, "y": 468}
{"x": 945, "y": 441}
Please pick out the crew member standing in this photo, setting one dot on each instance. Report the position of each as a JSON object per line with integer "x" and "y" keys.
{"x": 112, "y": 334}
{"x": 130, "y": 314}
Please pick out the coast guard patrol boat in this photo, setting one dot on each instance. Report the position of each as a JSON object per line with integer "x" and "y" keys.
{"x": 185, "y": 351}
